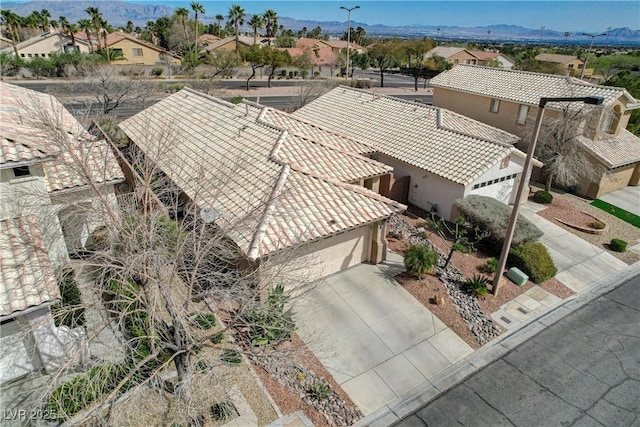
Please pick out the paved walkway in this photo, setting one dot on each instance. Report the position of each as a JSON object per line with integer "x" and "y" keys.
{"x": 580, "y": 264}
{"x": 627, "y": 198}
{"x": 377, "y": 341}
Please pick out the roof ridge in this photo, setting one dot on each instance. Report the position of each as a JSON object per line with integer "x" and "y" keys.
{"x": 209, "y": 97}
{"x": 254, "y": 247}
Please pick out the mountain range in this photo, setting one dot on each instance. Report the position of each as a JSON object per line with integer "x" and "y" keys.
{"x": 118, "y": 13}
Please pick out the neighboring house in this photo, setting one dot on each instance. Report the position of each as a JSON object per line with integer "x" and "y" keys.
{"x": 484, "y": 57}
{"x": 320, "y": 57}
{"x": 43, "y": 216}
{"x": 5, "y": 43}
{"x": 509, "y": 100}
{"x": 572, "y": 64}
{"x": 207, "y": 39}
{"x": 312, "y": 43}
{"x": 338, "y": 45}
{"x": 139, "y": 52}
{"x": 277, "y": 194}
{"x": 43, "y": 45}
{"x": 453, "y": 55}
{"x": 437, "y": 156}
{"x": 228, "y": 44}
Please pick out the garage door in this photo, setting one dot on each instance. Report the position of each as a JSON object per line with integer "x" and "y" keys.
{"x": 336, "y": 253}
{"x": 15, "y": 359}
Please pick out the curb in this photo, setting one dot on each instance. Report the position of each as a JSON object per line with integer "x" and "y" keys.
{"x": 402, "y": 407}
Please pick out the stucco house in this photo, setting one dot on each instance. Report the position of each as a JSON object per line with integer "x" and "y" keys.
{"x": 139, "y": 52}
{"x": 484, "y": 57}
{"x": 437, "y": 156}
{"x": 229, "y": 44}
{"x": 572, "y": 64}
{"x": 43, "y": 45}
{"x": 509, "y": 100}
{"x": 277, "y": 194}
{"x": 46, "y": 190}
{"x": 453, "y": 55}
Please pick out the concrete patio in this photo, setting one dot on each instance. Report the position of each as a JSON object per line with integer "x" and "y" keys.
{"x": 377, "y": 341}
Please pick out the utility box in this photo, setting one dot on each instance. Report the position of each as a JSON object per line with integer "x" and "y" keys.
{"x": 516, "y": 276}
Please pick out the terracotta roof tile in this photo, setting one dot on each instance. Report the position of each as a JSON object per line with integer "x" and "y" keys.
{"x": 616, "y": 151}
{"x": 26, "y": 275}
{"x": 444, "y": 143}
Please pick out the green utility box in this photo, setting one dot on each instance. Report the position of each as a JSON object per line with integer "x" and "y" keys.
{"x": 516, "y": 276}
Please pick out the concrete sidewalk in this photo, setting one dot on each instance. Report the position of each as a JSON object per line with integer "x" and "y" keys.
{"x": 580, "y": 264}
{"x": 627, "y": 198}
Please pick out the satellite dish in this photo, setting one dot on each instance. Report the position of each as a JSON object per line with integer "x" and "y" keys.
{"x": 209, "y": 215}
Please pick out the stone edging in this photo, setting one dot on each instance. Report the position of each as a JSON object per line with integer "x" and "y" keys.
{"x": 586, "y": 229}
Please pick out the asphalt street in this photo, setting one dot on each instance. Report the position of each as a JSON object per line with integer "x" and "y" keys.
{"x": 582, "y": 371}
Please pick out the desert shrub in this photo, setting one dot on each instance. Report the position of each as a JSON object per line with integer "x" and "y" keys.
{"x": 222, "y": 411}
{"x": 157, "y": 71}
{"x": 487, "y": 213}
{"x": 9, "y": 64}
{"x": 319, "y": 390}
{"x": 69, "y": 311}
{"x": 490, "y": 267}
{"x": 534, "y": 260}
{"x": 420, "y": 260}
{"x": 543, "y": 197}
{"x": 618, "y": 245}
{"x": 597, "y": 225}
{"x": 231, "y": 357}
{"x": 270, "y": 323}
{"x": 477, "y": 285}
{"x": 204, "y": 320}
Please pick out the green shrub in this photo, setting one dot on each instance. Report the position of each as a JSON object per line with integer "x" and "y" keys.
{"x": 490, "y": 267}
{"x": 477, "y": 285}
{"x": 217, "y": 338}
{"x": 420, "y": 260}
{"x": 489, "y": 214}
{"x": 231, "y": 357}
{"x": 618, "y": 245}
{"x": 222, "y": 411}
{"x": 157, "y": 71}
{"x": 319, "y": 390}
{"x": 534, "y": 260}
{"x": 236, "y": 99}
{"x": 597, "y": 225}
{"x": 204, "y": 320}
{"x": 283, "y": 73}
{"x": 69, "y": 311}
{"x": 270, "y": 323}
{"x": 543, "y": 197}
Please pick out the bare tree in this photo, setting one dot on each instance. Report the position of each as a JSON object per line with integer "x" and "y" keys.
{"x": 566, "y": 162}
{"x": 308, "y": 90}
{"x": 167, "y": 281}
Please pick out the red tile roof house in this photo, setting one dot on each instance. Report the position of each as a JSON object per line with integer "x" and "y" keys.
{"x": 279, "y": 193}
{"x": 437, "y": 156}
{"x": 509, "y": 100}
{"x": 42, "y": 218}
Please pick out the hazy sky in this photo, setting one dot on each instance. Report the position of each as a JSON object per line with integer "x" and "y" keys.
{"x": 590, "y": 16}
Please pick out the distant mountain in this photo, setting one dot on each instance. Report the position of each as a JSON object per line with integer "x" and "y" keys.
{"x": 118, "y": 12}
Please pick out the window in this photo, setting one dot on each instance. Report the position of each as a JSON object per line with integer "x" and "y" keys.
{"x": 611, "y": 120}
{"x": 580, "y": 65}
{"x": 505, "y": 163}
{"x": 21, "y": 171}
{"x": 495, "y": 104}
{"x": 456, "y": 61}
{"x": 44, "y": 55}
{"x": 522, "y": 114}
{"x": 137, "y": 51}
{"x": 29, "y": 55}
{"x": 570, "y": 66}
{"x": 22, "y": 55}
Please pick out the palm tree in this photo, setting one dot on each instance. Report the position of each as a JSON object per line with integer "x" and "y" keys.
{"x": 256, "y": 22}
{"x": 12, "y": 21}
{"x": 197, "y": 8}
{"x": 44, "y": 20}
{"x": 86, "y": 26}
{"x": 152, "y": 28}
{"x": 236, "y": 16}
{"x": 129, "y": 27}
{"x": 96, "y": 18}
{"x": 183, "y": 14}
{"x": 66, "y": 29}
{"x": 271, "y": 23}
{"x": 219, "y": 18}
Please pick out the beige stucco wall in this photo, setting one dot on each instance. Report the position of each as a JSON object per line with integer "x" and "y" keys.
{"x": 149, "y": 55}
{"x": 47, "y": 45}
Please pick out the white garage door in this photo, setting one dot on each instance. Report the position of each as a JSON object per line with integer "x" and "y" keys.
{"x": 336, "y": 253}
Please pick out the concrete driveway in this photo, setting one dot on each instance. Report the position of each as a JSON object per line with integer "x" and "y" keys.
{"x": 377, "y": 341}
{"x": 627, "y": 198}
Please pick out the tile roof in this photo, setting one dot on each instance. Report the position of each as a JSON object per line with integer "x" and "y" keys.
{"x": 27, "y": 121}
{"x": 616, "y": 151}
{"x": 26, "y": 275}
{"x": 321, "y": 56}
{"x": 117, "y": 36}
{"x": 39, "y": 38}
{"x": 226, "y": 159}
{"x": 521, "y": 86}
{"x": 308, "y": 42}
{"x": 434, "y": 139}
{"x": 445, "y": 51}
{"x": 484, "y": 55}
{"x": 552, "y": 57}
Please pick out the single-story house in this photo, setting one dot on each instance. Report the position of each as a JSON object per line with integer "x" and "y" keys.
{"x": 509, "y": 100}
{"x": 437, "y": 155}
{"x": 572, "y": 64}
{"x": 43, "y": 45}
{"x": 276, "y": 194}
{"x": 46, "y": 192}
{"x": 338, "y": 45}
{"x": 484, "y": 57}
{"x": 229, "y": 44}
{"x": 139, "y": 52}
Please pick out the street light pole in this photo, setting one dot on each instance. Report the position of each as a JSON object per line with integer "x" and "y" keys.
{"x": 524, "y": 178}
{"x": 593, "y": 36}
{"x": 348, "y": 31}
